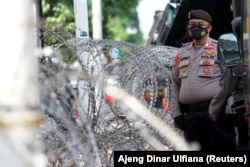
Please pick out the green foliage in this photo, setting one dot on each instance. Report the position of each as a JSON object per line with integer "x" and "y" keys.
{"x": 59, "y": 11}
{"x": 117, "y": 15}
{"x": 67, "y": 55}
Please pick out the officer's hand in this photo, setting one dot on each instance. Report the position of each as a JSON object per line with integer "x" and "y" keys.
{"x": 212, "y": 116}
{"x": 179, "y": 122}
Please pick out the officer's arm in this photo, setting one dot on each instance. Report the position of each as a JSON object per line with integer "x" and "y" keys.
{"x": 228, "y": 83}
{"x": 175, "y": 84}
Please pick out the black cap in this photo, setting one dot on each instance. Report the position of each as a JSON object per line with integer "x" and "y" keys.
{"x": 199, "y": 14}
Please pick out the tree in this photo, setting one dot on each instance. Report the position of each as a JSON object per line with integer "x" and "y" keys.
{"x": 116, "y": 19}
{"x": 59, "y": 11}
{"x": 118, "y": 16}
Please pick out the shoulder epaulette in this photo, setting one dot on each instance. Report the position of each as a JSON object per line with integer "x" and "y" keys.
{"x": 186, "y": 44}
{"x": 214, "y": 41}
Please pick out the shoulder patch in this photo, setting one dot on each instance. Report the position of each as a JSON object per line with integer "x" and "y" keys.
{"x": 176, "y": 59}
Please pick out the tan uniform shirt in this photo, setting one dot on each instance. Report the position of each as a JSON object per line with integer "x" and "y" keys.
{"x": 196, "y": 75}
{"x": 222, "y": 97}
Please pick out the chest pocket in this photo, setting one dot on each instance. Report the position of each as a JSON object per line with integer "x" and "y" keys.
{"x": 208, "y": 68}
{"x": 183, "y": 66}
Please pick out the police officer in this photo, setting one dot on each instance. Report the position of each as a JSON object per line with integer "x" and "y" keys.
{"x": 196, "y": 77}
{"x": 242, "y": 125}
{"x": 235, "y": 111}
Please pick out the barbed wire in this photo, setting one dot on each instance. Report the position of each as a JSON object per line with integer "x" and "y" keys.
{"x": 83, "y": 125}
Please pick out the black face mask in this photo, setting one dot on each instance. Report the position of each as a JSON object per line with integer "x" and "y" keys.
{"x": 197, "y": 32}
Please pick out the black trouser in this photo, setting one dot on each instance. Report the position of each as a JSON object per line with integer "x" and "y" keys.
{"x": 211, "y": 136}
{"x": 243, "y": 138}
{"x": 226, "y": 128}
